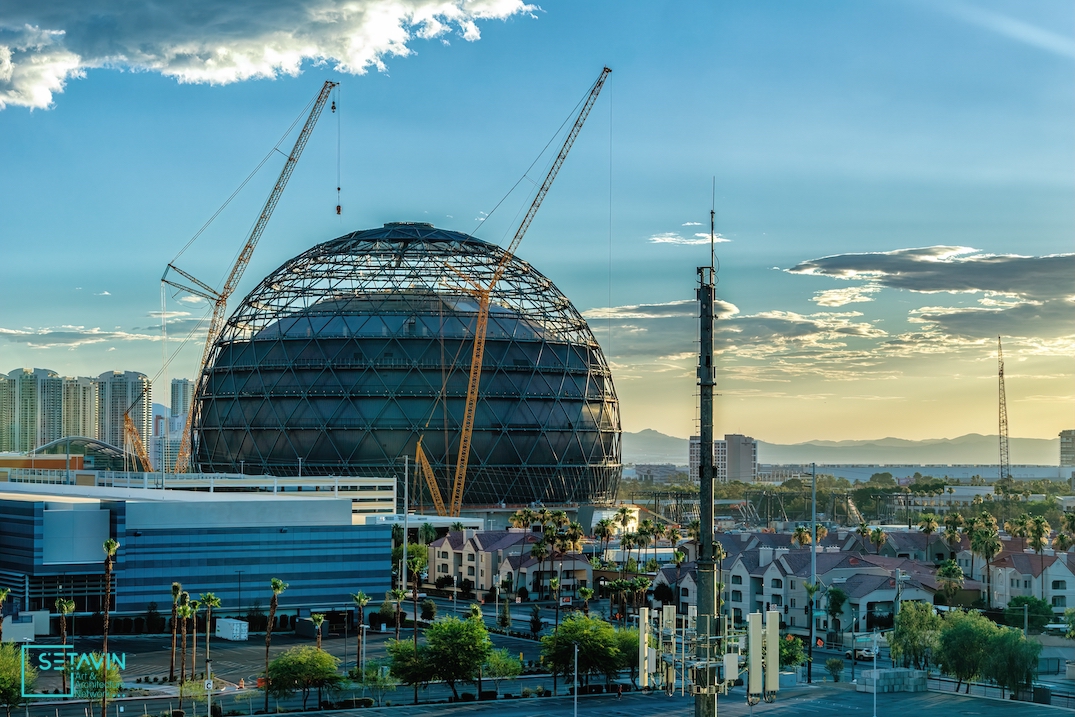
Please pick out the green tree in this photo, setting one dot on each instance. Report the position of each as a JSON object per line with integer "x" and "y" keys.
{"x": 792, "y": 653}
{"x": 12, "y": 663}
{"x": 1039, "y": 612}
{"x": 1069, "y": 620}
{"x": 502, "y": 665}
{"x": 835, "y": 667}
{"x": 963, "y": 644}
{"x": 411, "y": 667}
{"x": 1011, "y": 660}
{"x": 95, "y": 678}
{"x": 627, "y": 644}
{"x": 600, "y": 650}
{"x": 318, "y": 619}
{"x": 914, "y": 637}
{"x": 950, "y": 576}
{"x": 376, "y": 676}
{"x": 801, "y": 536}
{"x": 429, "y": 610}
{"x": 458, "y": 649}
{"x": 277, "y": 586}
{"x": 535, "y": 622}
{"x": 836, "y": 599}
{"x": 302, "y": 669}
{"x": 110, "y": 546}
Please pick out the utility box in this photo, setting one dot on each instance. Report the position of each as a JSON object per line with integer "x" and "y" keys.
{"x": 228, "y": 628}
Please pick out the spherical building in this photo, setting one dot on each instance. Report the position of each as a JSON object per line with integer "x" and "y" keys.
{"x": 341, "y": 359}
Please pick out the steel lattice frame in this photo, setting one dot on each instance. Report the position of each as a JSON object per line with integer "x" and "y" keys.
{"x": 348, "y": 353}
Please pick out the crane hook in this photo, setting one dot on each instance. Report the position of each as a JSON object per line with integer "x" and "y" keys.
{"x": 333, "y": 105}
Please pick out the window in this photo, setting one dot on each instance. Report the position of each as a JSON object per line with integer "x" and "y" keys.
{"x": 684, "y": 592}
{"x": 737, "y": 615}
{"x": 1026, "y": 584}
{"x": 777, "y": 583}
{"x": 793, "y": 602}
{"x": 442, "y": 568}
{"x": 1060, "y": 601}
{"x": 793, "y": 621}
{"x": 444, "y": 554}
{"x": 737, "y": 596}
{"x": 470, "y": 558}
{"x": 470, "y": 570}
{"x": 791, "y": 584}
{"x": 737, "y": 580}
{"x": 1060, "y": 585}
{"x": 778, "y": 600}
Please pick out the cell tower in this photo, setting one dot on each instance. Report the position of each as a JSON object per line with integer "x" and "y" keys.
{"x": 1005, "y": 462}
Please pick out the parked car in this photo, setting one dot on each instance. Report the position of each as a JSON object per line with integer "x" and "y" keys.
{"x": 860, "y": 653}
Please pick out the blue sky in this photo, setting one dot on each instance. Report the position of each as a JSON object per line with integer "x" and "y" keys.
{"x": 841, "y": 135}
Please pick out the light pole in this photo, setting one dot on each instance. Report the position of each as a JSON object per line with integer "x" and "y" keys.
{"x": 876, "y": 649}
{"x": 576, "y": 679}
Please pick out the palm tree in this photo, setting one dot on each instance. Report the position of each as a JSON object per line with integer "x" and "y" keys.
{"x": 427, "y": 533}
{"x": 878, "y": 537}
{"x": 624, "y": 516}
{"x": 1067, "y": 523}
{"x": 586, "y": 594}
{"x": 678, "y": 556}
{"x": 626, "y": 543}
{"x": 177, "y": 590}
{"x": 539, "y": 551}
{"x": 194, "y": 607}
{"x": 397, "y": 595}
{"x": 694, "y": 530}
{"x": 210, "y": 601}
{"x": 277, "y": 586}
{"x": 559, "y": 519}
{"x": 649, "y": 530}
{"x": 953, "y": 520}
{"x": 821, "y": 532}
{"x": 1019, "y": 528}
{"x": 184, "y": 615}
{"x": 110, "y": 547}
{"x": 1040, "y": 531}
{"x": 927, "y": 523}
{"x": 360, "y": 599}
{"x": 4, "y": 592}
{"x": 574, "y": 533}
{"x": 970, "y": 527}
{"x": 544, "y": 517}
{"x": 950, "y": 576}
{"x": 318, "y": 618}
{"x": 1062, "y": 542}
{"x": 64, "y": 606}
{"x": 554, "y": 589}
{"x": 642, "y": 539}
{"x": 864, "y": 535}
{"x": 801, "y": 536}
{"x": 604, "y": 531}
{"x": 986, "y": 542}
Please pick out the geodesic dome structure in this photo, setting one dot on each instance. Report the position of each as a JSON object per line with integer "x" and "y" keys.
{"x": 343, "y": 357}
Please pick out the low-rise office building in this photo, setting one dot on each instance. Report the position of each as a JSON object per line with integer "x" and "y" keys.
{"x": 230, "y": 544}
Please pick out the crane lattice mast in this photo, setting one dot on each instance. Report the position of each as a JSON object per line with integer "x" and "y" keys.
{"x": 484, "y": 296}
{"x": 1005, "y": 462}
{"x": 219, "y": 299}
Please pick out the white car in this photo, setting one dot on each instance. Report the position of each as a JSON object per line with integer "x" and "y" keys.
{"x": 860, "y": 653}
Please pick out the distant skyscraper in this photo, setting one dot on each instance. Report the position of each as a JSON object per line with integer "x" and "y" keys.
{"x": 182, "y": 395}
{"x": 37, "y": 408}
{"x": 116, "y": 391}
{"x": 734, "y": 459}
{"x": 7, "y": 413}
{"x": 1067, "y": 448}
{"x": 80, "y": 406}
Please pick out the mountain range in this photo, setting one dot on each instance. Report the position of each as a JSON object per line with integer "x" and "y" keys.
{"x": 650, "y": 446}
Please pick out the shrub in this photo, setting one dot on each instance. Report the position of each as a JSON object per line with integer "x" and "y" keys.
{"x": 523, "y": 594}
{"x": 527, "y": 692}
{"x": 443, "y": 582}
{"x": 429, "y": 610}
{"x": 466, "y": 697}
{"x": 835, "y": 667}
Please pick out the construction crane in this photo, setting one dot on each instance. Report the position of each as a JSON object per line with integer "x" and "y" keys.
{"x": 132, "y": 439}
{"x": 483, "y": 293}
{"x": 1005, "y": 463}
{"x": 219, "y": 299}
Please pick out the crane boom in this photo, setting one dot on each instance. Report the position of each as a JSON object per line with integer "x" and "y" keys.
{"x": 220, "y": 298}
{"x": 485, "y": 296}
{"x": 431, "y": 479}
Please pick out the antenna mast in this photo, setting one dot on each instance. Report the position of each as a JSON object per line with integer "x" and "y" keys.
{"x": 1005, "y": 462}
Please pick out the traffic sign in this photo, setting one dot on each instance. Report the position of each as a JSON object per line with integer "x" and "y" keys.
{"x": 820, "y": 613}
{"x": 208, "y": 684}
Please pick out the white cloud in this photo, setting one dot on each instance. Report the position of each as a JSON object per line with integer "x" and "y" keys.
{"x": 692, "y": 224}
{"x": 677, "y": 238}
{"x": 104, "y": 293}
{"x": 69, "y": 336}
{"x": 849, "y": 295}
{"x": 43, "y": 45}
{"x": 191, "y": 299}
